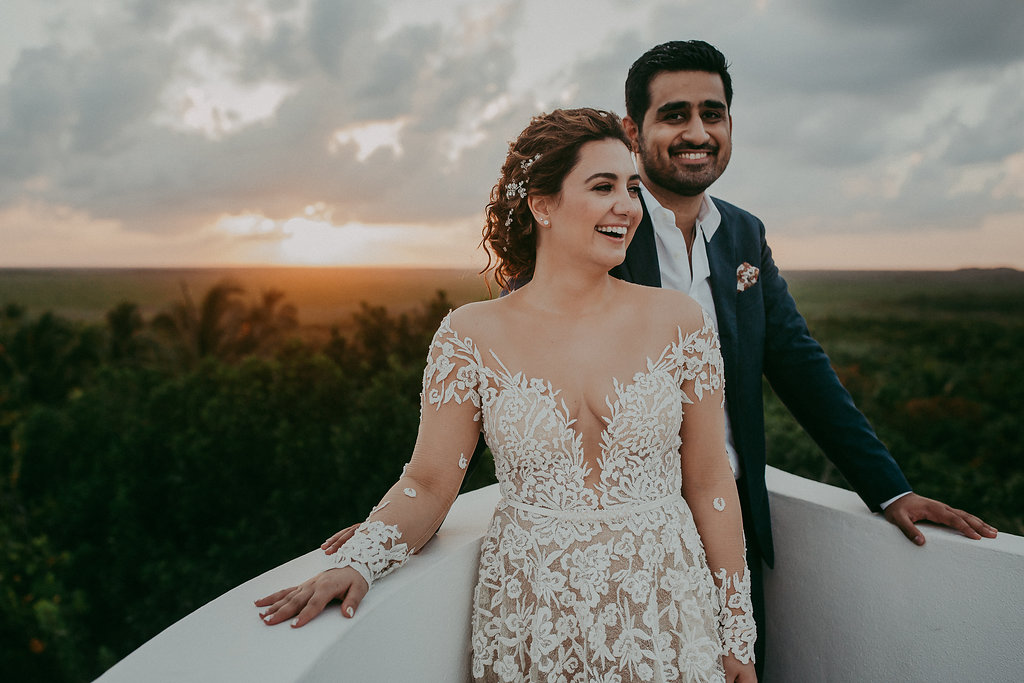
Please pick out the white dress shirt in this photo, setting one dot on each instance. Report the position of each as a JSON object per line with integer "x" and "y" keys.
{"x": 676, "y": 273}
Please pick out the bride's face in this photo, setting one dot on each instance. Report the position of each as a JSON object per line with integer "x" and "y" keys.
{"x": 597, "y": 211}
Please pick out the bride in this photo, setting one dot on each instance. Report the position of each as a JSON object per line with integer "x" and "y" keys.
{"x": 602, "y": 403}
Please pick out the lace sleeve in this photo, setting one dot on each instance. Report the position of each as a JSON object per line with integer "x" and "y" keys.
{"x": 709, "y": 487}
{"x": 415, "y": 506}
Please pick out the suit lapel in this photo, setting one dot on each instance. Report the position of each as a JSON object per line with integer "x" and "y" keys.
{"x": 722, "y": 263}
{"x": 641, "y": 264}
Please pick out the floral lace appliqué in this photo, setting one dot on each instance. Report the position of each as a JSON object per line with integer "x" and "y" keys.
{"x": 736, "y": 615}
{"x": 373, "y": 550}
{"x": 448, "y": 352}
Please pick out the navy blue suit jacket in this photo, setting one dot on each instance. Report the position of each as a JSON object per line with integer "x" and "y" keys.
{"x": 762, "y": 333}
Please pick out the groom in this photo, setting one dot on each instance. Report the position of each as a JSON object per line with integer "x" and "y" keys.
{"x": 678, "y": 98}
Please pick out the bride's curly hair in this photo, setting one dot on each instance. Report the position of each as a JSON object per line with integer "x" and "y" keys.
{"x": 537, "y": 163}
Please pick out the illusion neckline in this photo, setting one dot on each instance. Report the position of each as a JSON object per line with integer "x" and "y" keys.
{"x": 620, "y": 389}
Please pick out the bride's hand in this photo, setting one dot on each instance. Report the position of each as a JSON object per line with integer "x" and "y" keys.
{"x": 310, "y": 597}
{"x": 332, "y": 544}
{"x": 735, "y": 672}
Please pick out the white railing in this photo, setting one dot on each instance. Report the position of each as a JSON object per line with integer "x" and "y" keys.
{"x": 849, "y": 600}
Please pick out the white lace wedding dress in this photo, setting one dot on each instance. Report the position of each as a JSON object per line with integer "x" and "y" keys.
{"x": 591, "y": 569}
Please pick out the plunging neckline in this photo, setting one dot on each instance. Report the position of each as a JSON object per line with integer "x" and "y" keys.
{"x": 523, "y": 381}
{"x": 620, "y": 389}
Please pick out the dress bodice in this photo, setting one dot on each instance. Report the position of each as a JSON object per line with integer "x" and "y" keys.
{"x": 538, "y": 452}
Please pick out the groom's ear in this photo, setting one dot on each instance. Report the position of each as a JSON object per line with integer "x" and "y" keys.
{"x": 633, "y": 133}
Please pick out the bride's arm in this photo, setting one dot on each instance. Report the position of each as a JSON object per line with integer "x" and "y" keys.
{"x": 710, "y": 491}
{"x": 339, "y": 538}
{"x": 411, "y": 511}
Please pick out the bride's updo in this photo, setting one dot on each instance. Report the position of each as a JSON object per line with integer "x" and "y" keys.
{"x": 538, "y": 161}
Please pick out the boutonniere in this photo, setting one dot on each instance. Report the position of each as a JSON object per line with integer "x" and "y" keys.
{"x": 746, "y": 277}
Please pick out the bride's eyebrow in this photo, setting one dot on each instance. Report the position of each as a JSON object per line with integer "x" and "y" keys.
{"x": 612, "y": 176}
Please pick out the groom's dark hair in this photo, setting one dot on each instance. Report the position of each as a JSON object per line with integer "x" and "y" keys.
{"x": 676, "y": 55}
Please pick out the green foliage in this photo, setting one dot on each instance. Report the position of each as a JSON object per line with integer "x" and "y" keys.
{"x": 148, "y": 466}
{"x": 147, "y": 472}
{"x": 39, "y": 641}
{"x": 222, "y": 326}
{"x": 43, "y": 360}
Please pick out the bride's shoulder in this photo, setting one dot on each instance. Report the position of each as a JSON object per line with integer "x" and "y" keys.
{"x": 474, "y": 319}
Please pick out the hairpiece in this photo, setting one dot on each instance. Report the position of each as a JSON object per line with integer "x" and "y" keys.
{"x": 519, "y": 188}
{"x": 527, "y": 163}
{"x": 514, "y": 188}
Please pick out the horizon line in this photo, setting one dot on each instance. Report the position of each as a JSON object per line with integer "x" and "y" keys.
{"x": 407, "y": 266}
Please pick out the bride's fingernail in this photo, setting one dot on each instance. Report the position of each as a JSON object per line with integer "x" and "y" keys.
{"x": 349, "y": 611}
{"x": 295, "y": 621}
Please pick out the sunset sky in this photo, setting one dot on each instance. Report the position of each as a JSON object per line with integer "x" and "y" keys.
{"x": 867, "y": 134}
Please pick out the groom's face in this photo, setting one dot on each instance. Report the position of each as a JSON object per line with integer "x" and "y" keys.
{"x": 685, "y": 140}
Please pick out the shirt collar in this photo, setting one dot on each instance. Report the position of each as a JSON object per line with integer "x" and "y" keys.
{"x": 708, "y": 217}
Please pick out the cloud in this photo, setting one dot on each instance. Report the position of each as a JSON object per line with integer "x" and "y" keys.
{"x": 161, "y": 118}
{"x": 333, "y": 26}
{"x": 940, "y": 33}
{"x": 88, "y": 128}
{"x": 599, "y": 81}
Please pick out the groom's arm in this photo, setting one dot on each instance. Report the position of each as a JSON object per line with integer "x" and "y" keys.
{"x": 802, "y": 376}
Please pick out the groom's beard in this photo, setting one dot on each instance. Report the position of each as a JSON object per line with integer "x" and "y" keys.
{"x": 687, "y": 180}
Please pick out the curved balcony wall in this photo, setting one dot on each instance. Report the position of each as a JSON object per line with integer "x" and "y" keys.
{"x": 849, "y": 600}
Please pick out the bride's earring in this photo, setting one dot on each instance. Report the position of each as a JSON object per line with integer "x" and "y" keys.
{"x": 546, "y": 222}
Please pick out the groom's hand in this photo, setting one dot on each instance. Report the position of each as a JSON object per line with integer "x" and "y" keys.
{"x": 911, "y": 508}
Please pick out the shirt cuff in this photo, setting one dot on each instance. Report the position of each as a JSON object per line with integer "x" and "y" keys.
{"x": 894, "y": 499}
